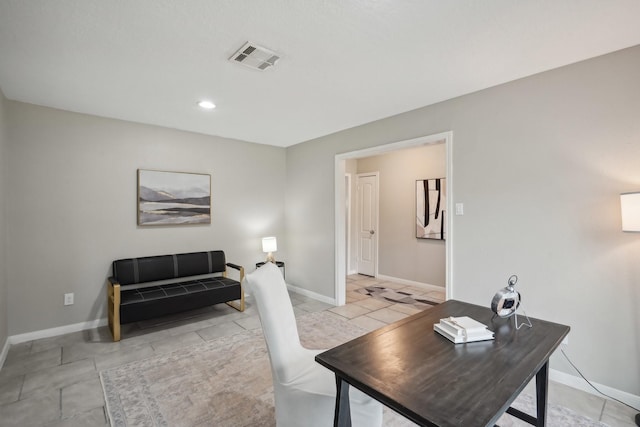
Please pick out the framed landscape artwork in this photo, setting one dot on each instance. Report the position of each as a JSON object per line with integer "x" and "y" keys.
{"x": 170, "y": 198}
{"x": 431, "y": 205}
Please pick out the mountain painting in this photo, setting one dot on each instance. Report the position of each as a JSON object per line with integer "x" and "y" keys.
{"x": 170, "y": 198}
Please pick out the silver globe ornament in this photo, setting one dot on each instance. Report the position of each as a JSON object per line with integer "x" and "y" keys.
{"x": 507, "y": 300}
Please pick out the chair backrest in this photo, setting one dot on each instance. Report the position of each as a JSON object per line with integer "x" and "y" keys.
{"x": 269, "y": 290}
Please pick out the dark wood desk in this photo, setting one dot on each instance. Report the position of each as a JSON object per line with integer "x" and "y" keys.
{"x": 420, "y": 374}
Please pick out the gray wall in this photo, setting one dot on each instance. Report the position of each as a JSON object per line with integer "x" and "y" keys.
{"x": 539, "y": 164}
{"x": 71, "y": 206}
{"x": 401, "y": 254}
{"x": 4, "y": 329}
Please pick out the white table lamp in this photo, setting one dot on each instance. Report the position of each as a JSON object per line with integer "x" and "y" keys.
{"x": 269, "y": 245}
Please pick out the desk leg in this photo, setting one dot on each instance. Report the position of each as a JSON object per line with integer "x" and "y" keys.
{"x": 542, "y": 386}
{"x": 342, "y": 416}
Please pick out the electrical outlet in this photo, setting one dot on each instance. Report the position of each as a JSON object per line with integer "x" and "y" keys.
{"x": 565, "y": 341}
{"x": 68, "y": 299}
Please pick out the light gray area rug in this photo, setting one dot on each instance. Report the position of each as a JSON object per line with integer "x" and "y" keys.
{"x": 227, "y": 382}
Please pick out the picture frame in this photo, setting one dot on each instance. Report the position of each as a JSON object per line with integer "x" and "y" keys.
{"x": 173, "y": 198}
{"x": 431, "y": 205}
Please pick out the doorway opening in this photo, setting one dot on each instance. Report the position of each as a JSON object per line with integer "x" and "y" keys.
{"x": 341, "y": 207}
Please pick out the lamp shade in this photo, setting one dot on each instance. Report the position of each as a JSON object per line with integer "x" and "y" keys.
{"x": 269, "y": 244}
{"x": 630, "y": 207}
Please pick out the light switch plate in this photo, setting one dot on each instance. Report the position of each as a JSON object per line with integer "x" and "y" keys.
{"x": 68, "y": 299}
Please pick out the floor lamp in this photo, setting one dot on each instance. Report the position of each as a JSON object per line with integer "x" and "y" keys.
{"x": 630, "y": 208}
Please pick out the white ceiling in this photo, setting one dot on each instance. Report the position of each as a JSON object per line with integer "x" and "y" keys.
{"x": 344, "y": 62}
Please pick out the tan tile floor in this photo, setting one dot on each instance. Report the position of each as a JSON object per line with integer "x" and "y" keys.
{"x": 55, "y": 382}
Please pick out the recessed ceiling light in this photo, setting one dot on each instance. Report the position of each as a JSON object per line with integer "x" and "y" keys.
{"x": 207, "y": 105}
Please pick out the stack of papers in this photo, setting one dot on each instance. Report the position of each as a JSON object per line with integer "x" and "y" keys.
{"x": 463, "y": 329}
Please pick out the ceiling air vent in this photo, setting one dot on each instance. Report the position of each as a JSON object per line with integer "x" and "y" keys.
{"x": 254, "y": 56}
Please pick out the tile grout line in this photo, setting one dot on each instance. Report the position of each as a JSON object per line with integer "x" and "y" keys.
{"x": 60, "y": 403}
{"x": 24, "y": 377}
{"x": 602, "y": 410}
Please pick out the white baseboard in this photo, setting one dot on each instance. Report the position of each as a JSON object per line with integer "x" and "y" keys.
{"x": 311, "y": 294}
{"x": 61, "y": 330}
{"x": 580, "y": 384}
{"x": 425, "y": 286}
{"x": 5, "y": 351}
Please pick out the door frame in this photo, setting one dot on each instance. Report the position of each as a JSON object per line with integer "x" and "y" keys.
{"x": 347, "y": 217}
{"x": 376, "y": 241}
{"x": 340, "y": 208}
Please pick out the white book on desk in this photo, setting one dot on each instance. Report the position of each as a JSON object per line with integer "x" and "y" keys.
{"x": 463, "y": 329}
{"x": 463, "y": 324}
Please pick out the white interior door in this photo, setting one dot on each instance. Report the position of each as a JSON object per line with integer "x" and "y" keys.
{"x": 367, "y": 223}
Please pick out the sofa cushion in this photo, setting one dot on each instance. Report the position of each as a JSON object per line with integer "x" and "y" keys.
{"x": 154, "y": 301}
{"x": 150, "y": 269}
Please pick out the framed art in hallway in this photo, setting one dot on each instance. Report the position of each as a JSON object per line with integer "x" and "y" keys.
{"x": 431, "y": 204}
{"x": 171, "y": 198}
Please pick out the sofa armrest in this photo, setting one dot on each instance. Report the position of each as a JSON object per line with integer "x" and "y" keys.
{"x": 113, "y": 307}
{"x": 237, "y": 305}
{"x": 236, "y": 267}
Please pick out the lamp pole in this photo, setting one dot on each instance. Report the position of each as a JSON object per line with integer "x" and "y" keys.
{"x": 630, "y": 209}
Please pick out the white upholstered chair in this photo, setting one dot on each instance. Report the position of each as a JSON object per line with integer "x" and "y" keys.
{"x": 304, "y": 390}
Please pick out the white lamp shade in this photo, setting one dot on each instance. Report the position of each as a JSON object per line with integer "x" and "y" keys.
{"x": 630, "y": 206}
{"x": 269, "y": 244}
